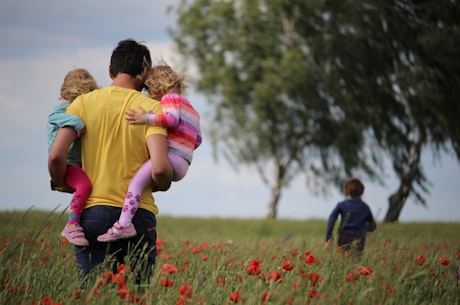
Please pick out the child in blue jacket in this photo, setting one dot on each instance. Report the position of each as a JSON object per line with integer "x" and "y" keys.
{"x": 355, "y": 218}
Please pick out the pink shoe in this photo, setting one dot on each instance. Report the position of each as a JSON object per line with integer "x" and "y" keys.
{"x": 118, "y": 232}
{"x": 74, "y": 234}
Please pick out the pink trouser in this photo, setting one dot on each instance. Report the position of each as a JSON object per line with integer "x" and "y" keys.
{"x": 142, "y": 179}
{"x": 77, "y": 179}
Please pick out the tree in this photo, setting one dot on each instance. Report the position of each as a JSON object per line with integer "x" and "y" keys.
{"x": 265, "y": 85}
{"x": 293, "y": 83}
{"x": 389, "y": 56}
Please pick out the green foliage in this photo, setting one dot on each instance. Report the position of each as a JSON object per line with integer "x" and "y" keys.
{"x": 326, "y": 89}
{"x": 407, "y": 263}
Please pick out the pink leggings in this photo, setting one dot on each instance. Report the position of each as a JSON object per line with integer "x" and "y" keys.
{"x": 141, "y": 180}
{"x": 77, "y": 179}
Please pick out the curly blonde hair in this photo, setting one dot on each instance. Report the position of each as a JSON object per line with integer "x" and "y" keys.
{"x": 162, "y": 79}
{"x": 77, "y": 82}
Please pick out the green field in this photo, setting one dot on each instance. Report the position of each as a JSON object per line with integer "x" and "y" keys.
{"x": 213, "y": 261}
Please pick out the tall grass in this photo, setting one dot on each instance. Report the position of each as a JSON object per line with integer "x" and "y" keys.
{"x": 228, "y": 261}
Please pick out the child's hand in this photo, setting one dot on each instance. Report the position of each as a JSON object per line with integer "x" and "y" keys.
{"x": 135, "y": 117}
{"x": 81, "y": 132}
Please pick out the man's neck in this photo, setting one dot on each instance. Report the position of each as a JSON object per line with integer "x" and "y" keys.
{"x": 126, "y": 81}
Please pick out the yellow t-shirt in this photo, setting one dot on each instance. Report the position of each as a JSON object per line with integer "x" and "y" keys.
{"x": 112, "y": 149}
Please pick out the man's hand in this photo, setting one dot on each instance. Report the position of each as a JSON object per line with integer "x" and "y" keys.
{"x": 135, "y": 117}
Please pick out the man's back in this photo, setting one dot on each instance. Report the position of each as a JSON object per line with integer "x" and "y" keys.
{"x": 113, "y": 150}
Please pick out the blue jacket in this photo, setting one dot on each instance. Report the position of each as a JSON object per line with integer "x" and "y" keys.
{"x": 355, "y": 218}
{"x": 59, "y": 118}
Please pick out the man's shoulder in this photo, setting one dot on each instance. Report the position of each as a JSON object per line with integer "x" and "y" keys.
{"x": 146, "y": 102}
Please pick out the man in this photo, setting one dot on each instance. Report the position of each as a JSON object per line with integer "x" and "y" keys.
{"x": 112, "y": 151}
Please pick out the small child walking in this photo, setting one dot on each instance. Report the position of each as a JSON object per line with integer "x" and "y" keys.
{"x": 76, "y": 82}
{"x": 355, "y": 218}
{"x": 184, "y": 136}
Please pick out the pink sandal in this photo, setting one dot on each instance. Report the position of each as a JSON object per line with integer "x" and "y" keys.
{"x": 118, "y": 232}
{"x": 75, "y": 235}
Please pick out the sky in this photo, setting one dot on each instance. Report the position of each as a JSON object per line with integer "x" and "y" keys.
{"x": 42, "y": 40}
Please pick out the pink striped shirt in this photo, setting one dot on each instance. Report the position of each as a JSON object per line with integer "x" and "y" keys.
{"x": 183, "y": 123}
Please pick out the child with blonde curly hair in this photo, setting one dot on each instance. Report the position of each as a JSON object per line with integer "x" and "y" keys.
{"x": 184, "y": 136}
{"x": 76, "y": 82}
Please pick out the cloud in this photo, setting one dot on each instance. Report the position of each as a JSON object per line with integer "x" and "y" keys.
{"x": 43, "y": 40}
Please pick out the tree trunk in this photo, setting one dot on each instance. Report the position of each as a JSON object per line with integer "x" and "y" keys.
{"x": 276, "y": 191}
{"x": 273, "y": 204}
{"x": 398, "y": 199}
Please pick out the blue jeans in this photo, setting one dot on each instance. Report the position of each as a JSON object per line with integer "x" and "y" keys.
{"x": 142, "y": 252}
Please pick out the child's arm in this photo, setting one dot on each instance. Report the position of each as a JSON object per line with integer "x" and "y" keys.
{"x": 135, "y": 117}
{"x": 169, "y": 118}
{"x": 371, "y": 225}
{"x": 62, "y": 119}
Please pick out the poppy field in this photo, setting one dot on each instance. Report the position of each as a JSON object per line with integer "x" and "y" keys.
{"x": 236, "y": 261}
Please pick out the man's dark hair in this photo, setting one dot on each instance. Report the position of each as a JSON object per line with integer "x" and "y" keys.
{"x": 130, "y": 57}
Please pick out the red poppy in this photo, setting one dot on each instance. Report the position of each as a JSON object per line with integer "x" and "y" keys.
{"x": 165, "y": 282}
{"x": 310, "y": 259}
{"x": 367, "y": 271}
{"x": 235, "y": 297}
{"x": 46, "y": 301}
{"x": 295, "y": 285}
{"x": 186, "y": 290}
{"x": 313, "y": 294}
{"x": 444, "y": 261}
{"x": 168, "y": 268}
{"x": 352, "y": 277}
{"x": 181, "y": 301}
{"x": 5, "y": 241}
{"x": 314, "y": 277}
{"x": 390, "y": 292}
{"x": 287, "y": 266}
{"x": 122, "y": 269}
{"x": 254, "y": 267}
{"x": 267, "y": 296}
{"x": 123, "y": 292}
{"x": 420, "y": 259}
{"x": 119, "y": 279}
{"x": 275, "y": 276}
{"x": 220, "y": 280}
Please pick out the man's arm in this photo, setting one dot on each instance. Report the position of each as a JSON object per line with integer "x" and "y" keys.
{"x": 162, "y": 171}
{"x": 57, "y": 158}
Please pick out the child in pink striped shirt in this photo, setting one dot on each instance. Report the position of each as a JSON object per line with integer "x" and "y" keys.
{"x": 184, "y": 136}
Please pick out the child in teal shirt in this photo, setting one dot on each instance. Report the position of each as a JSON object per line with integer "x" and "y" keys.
{"x": 76, "y": 82}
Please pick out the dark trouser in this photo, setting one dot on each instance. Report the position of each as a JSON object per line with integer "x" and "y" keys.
{"x": 350, "y": 242}
{"x": 142, "y": 252}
